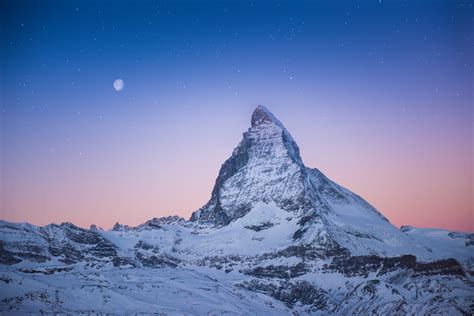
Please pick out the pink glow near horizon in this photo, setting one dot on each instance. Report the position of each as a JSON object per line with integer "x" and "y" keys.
{"x": 378, "y": 95}
{"x": 423, "y": 181}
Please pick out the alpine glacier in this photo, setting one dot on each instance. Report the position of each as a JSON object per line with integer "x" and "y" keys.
{"x": 276, "y": 237}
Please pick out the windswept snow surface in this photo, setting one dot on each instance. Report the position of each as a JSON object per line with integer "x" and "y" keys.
{"x": 133, "y": 290}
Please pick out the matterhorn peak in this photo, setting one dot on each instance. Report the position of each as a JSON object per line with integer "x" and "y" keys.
{"x": 261, "y": 115}
{"x": 265, "y": 167}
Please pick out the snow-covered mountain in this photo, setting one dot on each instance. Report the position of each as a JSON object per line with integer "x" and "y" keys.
{"x": 276, "y": 237}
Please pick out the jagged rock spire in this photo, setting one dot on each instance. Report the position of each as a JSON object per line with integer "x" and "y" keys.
{"x": 266, "y": 166}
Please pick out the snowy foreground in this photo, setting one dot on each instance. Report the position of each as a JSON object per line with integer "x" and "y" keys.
{"x": 133, "y": 290}
{"x": 275, "y": 238}
{"x": 137, "y": 270}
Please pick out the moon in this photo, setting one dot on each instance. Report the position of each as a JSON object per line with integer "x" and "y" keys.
{"x": 118, "y": 84}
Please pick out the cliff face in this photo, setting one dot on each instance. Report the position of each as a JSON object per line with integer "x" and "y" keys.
{"x": 265, "y": 166}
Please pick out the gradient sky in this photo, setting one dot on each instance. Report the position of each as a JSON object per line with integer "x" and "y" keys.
{"x": 378, "y": 95}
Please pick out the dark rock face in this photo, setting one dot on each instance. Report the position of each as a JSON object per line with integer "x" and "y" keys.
{"x": 152, "y": 257}
{"x": 292, "y": 293}
{"x": 364, "y": 265}
{"x": 103, "y": 249}
{"x": 67, "y": 253}
{"x": 305, "y": 293}
{"x": 157, "y": 261}
{"x": 27, "y": 251}
{"x": 47, "y": 271}
{"x": 440, "y": 267}
{"x": 80, "y": 235}
{"x": 279, "y": 272}
{"x": 82, "y": 244}
{"x": 7, "y": 257}
{"x": 260, "y": 227}
{"x": 228, "y": 263}
{"x": 120, "y": 227}
{"x": 468, "y": 237}
{"x": 325, "y": 250}
{"x": 33, "y": 256}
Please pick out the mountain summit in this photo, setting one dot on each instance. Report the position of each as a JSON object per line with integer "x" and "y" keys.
{"x": 261, "y": 115}
{"x": 266, "y": 167}
{"x": 275, "y": 238}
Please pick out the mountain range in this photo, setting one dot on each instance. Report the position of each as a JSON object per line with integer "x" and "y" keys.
{"x": 276, "y": 237}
